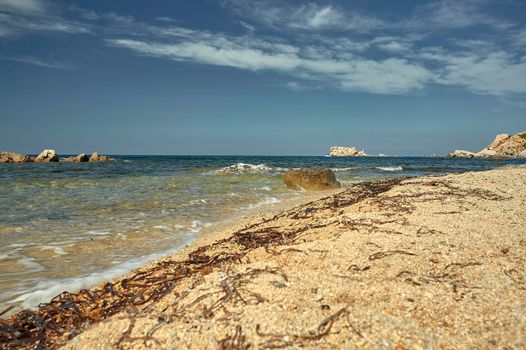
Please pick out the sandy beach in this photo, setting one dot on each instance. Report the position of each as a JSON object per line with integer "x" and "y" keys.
{"x": 434, "y": 262}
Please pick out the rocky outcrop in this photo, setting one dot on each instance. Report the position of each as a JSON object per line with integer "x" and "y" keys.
{"x": 508, "y": 145}
{"x": 47, "y": 156}
{"x": 12, "y": 157}
{"x": 459, "y": 153}
{"x": 311, "y": 179}
{"x": 504, "y": 146}
{"x": 339, "y": 151}
{"x": 81, "y": 158}
{"x": 96, "y": 157}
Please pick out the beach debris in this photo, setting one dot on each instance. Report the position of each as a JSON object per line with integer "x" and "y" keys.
{"x": 311, "y": 179}
{"x": 237, "y": 341}
{"x": 47, "y": 156}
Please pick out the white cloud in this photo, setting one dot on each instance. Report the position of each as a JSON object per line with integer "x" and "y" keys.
{"x": 47, "y": 63}
{"x": 449, "y": 14}
{"x": 308, "y": 16}
{"x": 24, "y": 16}
{"x": 353, "y": 73}
{"x": 23, "y": 6}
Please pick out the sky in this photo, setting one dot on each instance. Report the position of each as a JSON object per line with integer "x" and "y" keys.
{"x": 260, "y": 77}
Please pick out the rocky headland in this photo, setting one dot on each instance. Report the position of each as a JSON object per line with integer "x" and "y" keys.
{"x": 504, "y": 146}
{"x": 50, "y": 156}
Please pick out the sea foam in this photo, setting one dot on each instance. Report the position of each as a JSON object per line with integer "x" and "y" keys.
{"x": 390, "y": 168}
{"x": 47, "y": 289}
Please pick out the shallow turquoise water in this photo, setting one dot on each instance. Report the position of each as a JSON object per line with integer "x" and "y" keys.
{"x": 70, "y": 226}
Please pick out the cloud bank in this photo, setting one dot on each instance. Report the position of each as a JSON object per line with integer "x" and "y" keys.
{"x": 318, "y": 44}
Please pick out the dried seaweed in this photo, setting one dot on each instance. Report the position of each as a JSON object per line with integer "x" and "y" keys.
{"x": 237, "y": 341}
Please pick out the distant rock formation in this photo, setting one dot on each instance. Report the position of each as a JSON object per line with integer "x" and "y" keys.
{"x": 504, "y": 146}
{"x": 47, "y": 156}
{"x": 12, "y": 157}
{"x": 95, "y": 157}
{"x": 311, "y": 179}
{"x": 339, "y": 151}
{"x": 81, "y": 158}
{"x": 460, "y": 153}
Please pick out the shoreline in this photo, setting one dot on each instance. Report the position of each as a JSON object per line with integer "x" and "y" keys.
{"x": 31, "y": 299}
{"x": 264, "y": 252}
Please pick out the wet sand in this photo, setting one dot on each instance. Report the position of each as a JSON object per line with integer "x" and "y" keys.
{"x": 432, "y": 262}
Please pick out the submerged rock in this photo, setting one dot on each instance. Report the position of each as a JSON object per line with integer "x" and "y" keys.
{"x": 46, "y": 156}
{"x": 96, "y": 157}
{"x": 12, "y": 157}
{"x": 311, "y": 179}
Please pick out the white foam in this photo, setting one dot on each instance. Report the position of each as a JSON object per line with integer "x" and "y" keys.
{"x": 390, "y": 168}
{"x": 344, "y": 169}
{"x": 55, "y": 249}
{"x": 30, "y": 263}
{"x": 99, "y": 233}
{"x": 240, "y": 168}
{"x": 47, "y": 289}
{"x": 265, "y": 188}
{"x": 266, "y": 201}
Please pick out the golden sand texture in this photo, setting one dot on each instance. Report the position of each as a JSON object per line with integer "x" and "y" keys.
{"x": 434, "y": 262}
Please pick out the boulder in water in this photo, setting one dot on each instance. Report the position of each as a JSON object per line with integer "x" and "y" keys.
{"x": 81, "y": 158}
{"x": 12, "y": 157}
{"x": 311, "y": 179}
{"x": 96, "y": 157}
{"x": 46, "y": 156}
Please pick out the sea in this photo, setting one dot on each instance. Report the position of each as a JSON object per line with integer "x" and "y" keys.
{"x": 68, "y": 226}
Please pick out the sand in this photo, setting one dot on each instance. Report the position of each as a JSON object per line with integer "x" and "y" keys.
{"x": 432, "y": 262}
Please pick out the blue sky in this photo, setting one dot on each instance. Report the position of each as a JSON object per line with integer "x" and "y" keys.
{"x": 260, "y": 76}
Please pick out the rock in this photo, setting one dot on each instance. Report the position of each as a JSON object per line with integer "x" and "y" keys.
{"x": 461, "y": 154}
{"x": 499, "y": 139}
{"x": 12, "y": 157}
{"x": 486, "y": 153}
{"x": 46, "y": 156}
{"x": 81, "y": 158}
{"x": 95, "y": 157}
{"x": 522, "y": 154}
{"x": 311, "y": 179}
{"x": 339, "y": 151}
{"x": 503, "y": 146}
{"x": 506, "y": 145}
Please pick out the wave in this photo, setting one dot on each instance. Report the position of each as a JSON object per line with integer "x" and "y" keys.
{"x": 244, "y": 168}
{"x": 265, "y": 201}
{"x": 390, "y": 168}
{"x": 344, "y": 169}
{"x": 47, "y": 289}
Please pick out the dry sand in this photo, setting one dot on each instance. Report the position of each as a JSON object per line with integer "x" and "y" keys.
{"x": 427, "y": 263}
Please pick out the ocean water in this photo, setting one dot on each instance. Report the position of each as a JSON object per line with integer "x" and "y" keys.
{"x": 67, "y": 226}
